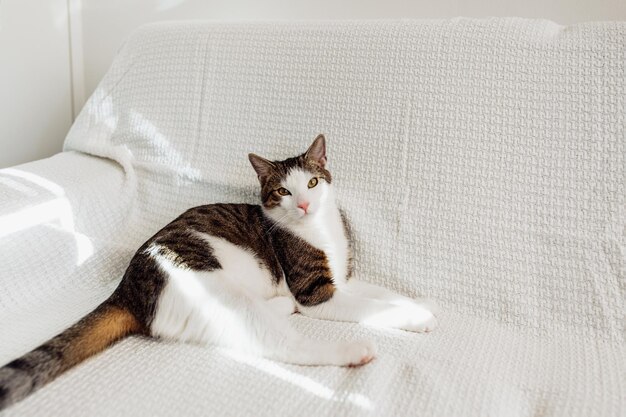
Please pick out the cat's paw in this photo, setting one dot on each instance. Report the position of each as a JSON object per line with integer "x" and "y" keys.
{"x": 411, "y": 317}
{"x": 285, "y": 306}
{"x": 357, "y": 353}
{"x": 422, "y": 320}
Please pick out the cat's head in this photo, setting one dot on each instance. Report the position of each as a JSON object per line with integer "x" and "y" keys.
{"x": 296, "y": 188}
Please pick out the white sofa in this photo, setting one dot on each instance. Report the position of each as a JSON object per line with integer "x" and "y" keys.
{"x": 482, "y": 163}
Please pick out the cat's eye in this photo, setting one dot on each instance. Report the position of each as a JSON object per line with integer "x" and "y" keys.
{"x": 312, "y": 182}
{"x": 283, "y": 191}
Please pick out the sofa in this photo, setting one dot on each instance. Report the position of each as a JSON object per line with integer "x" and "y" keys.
{"x": 482, "y": 163}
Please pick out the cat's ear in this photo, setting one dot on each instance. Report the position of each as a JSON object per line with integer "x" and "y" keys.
{"x": 317, "y": 151}
{"x": 262, "y": 166}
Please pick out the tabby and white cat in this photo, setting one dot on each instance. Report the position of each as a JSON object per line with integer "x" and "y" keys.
{"x": 230, "y": 275}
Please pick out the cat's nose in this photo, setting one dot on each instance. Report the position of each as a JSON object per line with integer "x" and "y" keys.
{"x": 304, "y": 206}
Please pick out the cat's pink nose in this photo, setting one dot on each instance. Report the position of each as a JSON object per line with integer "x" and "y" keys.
{"x": 304, "y": 206}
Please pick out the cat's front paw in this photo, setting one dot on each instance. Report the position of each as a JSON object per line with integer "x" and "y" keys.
{"x": 358, "y": 353}
{"x": 421, "y": 319}
{"x": 411, "y": 317}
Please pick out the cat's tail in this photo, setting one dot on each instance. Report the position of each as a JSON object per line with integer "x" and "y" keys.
{"x": 102, "y": 327}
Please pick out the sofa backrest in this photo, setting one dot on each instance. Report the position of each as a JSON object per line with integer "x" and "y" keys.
{"x": 482, "y": 162}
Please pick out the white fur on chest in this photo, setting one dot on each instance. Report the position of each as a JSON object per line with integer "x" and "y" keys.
{"x": 326, "y": 232}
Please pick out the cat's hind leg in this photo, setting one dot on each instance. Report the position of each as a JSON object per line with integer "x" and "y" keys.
{"x": 202, "y": 307}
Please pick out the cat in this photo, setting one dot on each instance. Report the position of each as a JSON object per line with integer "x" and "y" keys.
{"x": 230, "y": 275}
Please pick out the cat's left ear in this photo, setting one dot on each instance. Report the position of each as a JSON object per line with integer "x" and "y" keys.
{"x": 317, "y": 151}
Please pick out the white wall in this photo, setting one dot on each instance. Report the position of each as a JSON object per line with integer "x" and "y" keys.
{"x": 35, "y": 90}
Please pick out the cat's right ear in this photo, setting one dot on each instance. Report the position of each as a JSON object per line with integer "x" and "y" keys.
{"x": 262, "y": 166}
{"x": 317, "y": 151}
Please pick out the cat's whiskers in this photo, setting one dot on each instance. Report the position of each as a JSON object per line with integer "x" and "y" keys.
{"x": 277, "y": 222}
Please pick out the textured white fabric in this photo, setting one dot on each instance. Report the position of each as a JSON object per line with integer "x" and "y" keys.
{"x": 481, "y": 162}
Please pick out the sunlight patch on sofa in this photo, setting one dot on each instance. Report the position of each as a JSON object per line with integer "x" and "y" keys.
{"x": 57, "y": 210}
{"x": 17, "y": 186}
{"x": 56, "y": 213}
{"x": 301, "y": 381}
{"x": 105, "y": 115}
{"x": 84, "y": 248}
{"x": 160, "y": 144}
{"x": 35, "y": 179}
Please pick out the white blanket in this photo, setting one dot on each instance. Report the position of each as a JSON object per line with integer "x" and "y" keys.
{"x": 481, "y": 162}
